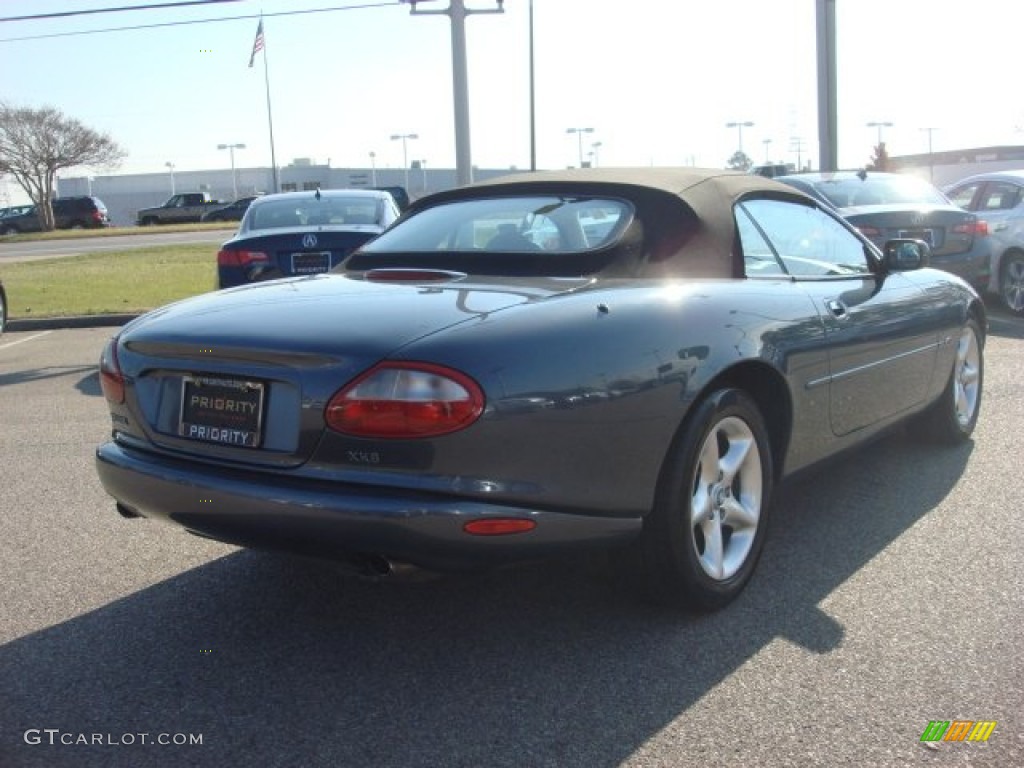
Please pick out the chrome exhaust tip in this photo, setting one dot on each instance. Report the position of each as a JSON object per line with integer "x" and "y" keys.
{"x": 375, "y": 567}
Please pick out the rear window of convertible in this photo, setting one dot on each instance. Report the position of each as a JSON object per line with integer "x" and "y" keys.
{"x": 528, "y": 224}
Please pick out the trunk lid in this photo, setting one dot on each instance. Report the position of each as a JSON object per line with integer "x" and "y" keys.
{"x": 947, "y": 229}
{"x": 263, "y": 360}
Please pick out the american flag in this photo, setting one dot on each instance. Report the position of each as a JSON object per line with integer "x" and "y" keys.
{"x": 257, "y": 45}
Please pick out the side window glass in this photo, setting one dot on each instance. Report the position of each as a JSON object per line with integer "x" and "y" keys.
{"x": 809, "y": 242}
{"x": 964, "y": 195}
{"x": 999, "y": 197}
{"x": 758, "y": 257}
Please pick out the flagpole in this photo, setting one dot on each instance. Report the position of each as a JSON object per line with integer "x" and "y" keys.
{"x": 270, "y": 116}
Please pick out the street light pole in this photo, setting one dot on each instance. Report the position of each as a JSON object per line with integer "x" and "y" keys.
{"x": 231, "y": 150}
{"x": 594, "y": 149}
{"x": 739, "y": 125}
{"x": 405, "y": 151}
{"x": 457, "y": 12}
{"x": 797, "y": 144}
{"x": 579, "y": 137}
{"x": 880, "y": 126}
{"x": 170, "y": 167}
{"x": 931, "y": 164}
{"x": 533, "y": 106}
{"x": 373, "y": 169}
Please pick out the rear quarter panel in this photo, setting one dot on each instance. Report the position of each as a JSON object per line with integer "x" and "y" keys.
{"x": 586, "y": 392}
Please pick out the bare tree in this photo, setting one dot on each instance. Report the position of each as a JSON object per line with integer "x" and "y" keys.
{"x": 37, "y": 143}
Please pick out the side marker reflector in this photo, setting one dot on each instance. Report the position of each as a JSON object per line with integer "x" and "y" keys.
{"x": 499, "y": 526}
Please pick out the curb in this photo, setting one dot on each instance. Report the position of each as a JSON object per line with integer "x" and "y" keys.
{"x": 56, "y": 323}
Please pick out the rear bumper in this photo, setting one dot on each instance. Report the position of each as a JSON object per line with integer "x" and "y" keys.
{"x": 336, "y": 520}
{"x": 975, "y": 266}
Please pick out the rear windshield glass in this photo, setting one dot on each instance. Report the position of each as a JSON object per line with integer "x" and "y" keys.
{"x": 529, "y": 224}
{"x": 277, "y": 214}
{"x": 844, "y": 193}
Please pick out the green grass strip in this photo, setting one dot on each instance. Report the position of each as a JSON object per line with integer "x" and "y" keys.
{"x": 112, "y": 282}
{"x": 105, "y": 232}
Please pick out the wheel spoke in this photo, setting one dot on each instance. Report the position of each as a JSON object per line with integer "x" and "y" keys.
{"x": 970, "y": 375}
{"x": 709, "y": 460}
{"x": 714, "y": 561}
{"x": 961, "y": 403}
{"x": 700, "y": 506}
{"x": 738, "y": 515}
{"x": 734, "y": 458}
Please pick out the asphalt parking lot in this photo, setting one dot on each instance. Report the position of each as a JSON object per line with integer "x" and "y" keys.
{"x": 889, "y": 595}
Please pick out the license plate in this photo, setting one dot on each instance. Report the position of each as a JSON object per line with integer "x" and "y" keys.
{"x": 918, "y": 234}
{"x": 311, "y": 263}
{"x": 222, "y": 411}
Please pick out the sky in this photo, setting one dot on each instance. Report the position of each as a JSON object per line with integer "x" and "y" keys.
{"x": 656, "y": 80}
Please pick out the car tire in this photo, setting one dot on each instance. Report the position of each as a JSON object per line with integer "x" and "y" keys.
{"x": 952, "y": 418}
{"x": 3, "y": 310}
{"x": 8, "y": 230}
{"x": 149, "y": 221}
{"x": 701, "y": 542}
{"x": 1011, "y": 282}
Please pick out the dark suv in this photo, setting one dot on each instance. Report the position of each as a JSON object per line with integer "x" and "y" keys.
{"x": 68, "y": 213}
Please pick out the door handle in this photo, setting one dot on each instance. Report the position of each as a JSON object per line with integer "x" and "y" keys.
{"x": 836, "y": 307}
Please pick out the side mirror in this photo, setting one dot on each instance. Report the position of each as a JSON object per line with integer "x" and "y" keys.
{"x": 904, "y": 254}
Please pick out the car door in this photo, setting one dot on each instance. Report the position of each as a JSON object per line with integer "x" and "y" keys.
{"x": 1000, "y": 204}
{"x": 881, "y": 331}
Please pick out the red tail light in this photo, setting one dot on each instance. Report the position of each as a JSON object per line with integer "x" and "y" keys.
{"x": 111, "y": 378}
{"x": 97, "y": 216}
{"x": 978, "y": 227}
{"x": 405, "y": 400}
{"x": 227, "y": 258}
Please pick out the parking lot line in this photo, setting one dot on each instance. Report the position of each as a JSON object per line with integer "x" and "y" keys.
{"x": 22, "y": 341}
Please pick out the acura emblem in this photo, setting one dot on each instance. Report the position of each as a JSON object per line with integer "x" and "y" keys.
{"x": 309, "y": 241}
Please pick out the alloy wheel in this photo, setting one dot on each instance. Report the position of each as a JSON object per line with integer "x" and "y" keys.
{"x": 1012, "y": 285}
{"x": 725, "y": 506}
{"x": 967, "y": 377}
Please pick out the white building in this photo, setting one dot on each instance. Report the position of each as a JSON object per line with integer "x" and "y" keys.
{"x": 125, "y": 194}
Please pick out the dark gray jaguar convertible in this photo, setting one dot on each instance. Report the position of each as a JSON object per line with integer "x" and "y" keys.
{"x": 620, "y": 358}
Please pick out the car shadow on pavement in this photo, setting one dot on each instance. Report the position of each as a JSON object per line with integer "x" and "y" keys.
{"x": 278, "y": 660}
{"x": 55, "y": 372}
{"x": 1002, "y": 323}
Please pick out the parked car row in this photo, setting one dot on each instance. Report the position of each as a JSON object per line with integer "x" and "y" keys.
{"x": 884, "y": 206}
{"x": 975, "y": 227}
{"x": 83, "y": 212}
